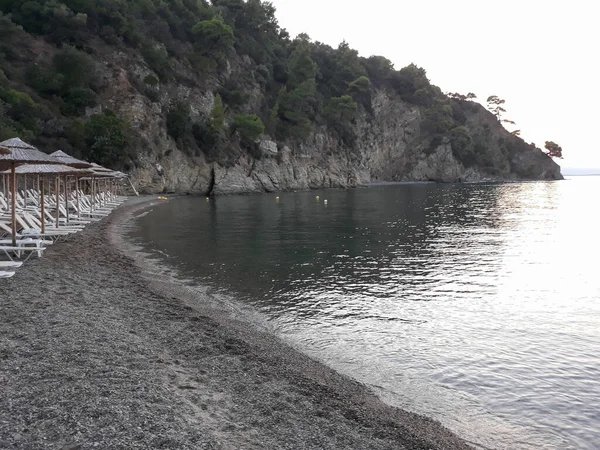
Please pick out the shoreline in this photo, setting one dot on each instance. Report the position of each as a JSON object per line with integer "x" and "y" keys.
{"x": 100, "y": 350}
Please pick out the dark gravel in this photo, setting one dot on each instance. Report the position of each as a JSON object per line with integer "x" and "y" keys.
{"x": 98, "y": 349}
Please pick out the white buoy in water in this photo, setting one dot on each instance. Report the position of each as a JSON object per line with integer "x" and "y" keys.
{"x": 207, "y": 199}
{"x": 277, "y": 198}
{"x": 317, "y": 197}
{"x": 325, "y": 201}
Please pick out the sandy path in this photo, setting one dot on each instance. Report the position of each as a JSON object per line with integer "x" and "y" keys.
{"x": 97, "y": 350}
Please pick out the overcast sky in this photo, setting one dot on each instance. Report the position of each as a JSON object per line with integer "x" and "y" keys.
{"x": 542, "y": 57}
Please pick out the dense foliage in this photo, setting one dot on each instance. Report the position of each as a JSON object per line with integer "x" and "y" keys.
{"x": 303, "y": 84}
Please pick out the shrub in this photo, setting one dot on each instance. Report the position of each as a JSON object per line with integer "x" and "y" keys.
{"x": 44, "y": 82}
{"x": 151, "y": 80}
{"x": 157, "y": 60}
{"x": 77, "y": 68}
{"x": 14, "y": 98}
{"x": 77, "y": 100}
{"x": 232, "y": 95}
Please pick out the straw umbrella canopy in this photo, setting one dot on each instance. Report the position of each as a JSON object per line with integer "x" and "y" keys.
{"x": 70, "y": 161}
{"x": 20, "y": 153}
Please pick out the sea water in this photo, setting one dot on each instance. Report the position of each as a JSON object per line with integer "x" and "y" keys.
{"x": 477, "y": 305}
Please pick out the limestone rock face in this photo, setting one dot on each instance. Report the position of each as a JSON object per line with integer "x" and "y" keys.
{"x": 390, "y": 146}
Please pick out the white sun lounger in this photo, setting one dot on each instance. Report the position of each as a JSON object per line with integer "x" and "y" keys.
{"x": 6, "y": 274}
{"x": 10, "y": 264}
{"x": 18, "y": 251}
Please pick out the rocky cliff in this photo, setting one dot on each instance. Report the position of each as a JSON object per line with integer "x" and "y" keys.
{"x": 390, "y": 147}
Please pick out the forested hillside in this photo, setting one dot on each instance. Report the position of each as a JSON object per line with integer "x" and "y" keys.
{"x": 184, "y": 93}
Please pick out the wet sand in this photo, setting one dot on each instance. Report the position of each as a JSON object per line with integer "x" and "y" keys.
{"x": 98, "y": 349}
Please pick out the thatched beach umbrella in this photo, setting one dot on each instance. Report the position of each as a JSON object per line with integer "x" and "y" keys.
{"x": 20, "y": 153}
{"x": 48, "y": 169}
{"x": 99, "y": 172}
{"x": 76, "y": 163}
{"x": 70, "y": 161}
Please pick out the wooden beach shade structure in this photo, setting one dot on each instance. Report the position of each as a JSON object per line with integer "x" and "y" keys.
{"x": 48, "y": 169}
{"x": 99, "y": 172}
{"x": 68, "y": 160}
{"x": 4, "y": 151}
{"x": 20, "y": 153}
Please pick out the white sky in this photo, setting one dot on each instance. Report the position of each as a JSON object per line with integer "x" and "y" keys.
{"x": 542, "y": 57}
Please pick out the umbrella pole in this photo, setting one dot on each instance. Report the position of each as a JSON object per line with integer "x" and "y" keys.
{"x": 25, "y": 191}
{"x": 43, "y": 206}
{"x": 66, "y": 198}
{"x": 13, "y": 206}
{"x": 57, "y": 201}
{"x": 77, "y": 196}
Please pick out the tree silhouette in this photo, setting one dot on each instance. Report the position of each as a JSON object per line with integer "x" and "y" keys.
{"x": 553, "y": 150}
{"x": 495, "y": 106}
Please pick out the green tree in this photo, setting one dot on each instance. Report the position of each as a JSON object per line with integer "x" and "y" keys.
{"x": 178, "y": 120}
{"x": 462, "y": 145}
{"x": 217, "y": 116}
{"x": 107, "y": 138}
{"x": 339, "y": 113}
{"x": 341, "y": 109}
{"x": 298, "y": 108}
{"x": 213, "y": 35}
{"x": 349, "y": 66}
{"x": 553, "y": 150}
{"x": 273, "y": 121}
{"x": 301, "y": 66}
{"x": 438, "y": 118}
{"x": 409, "y": 80}
{"x": 494, "y": 104}
{"x": 379, "y": 69}
{"x": 249, "y": 127}
{"x": 360, "y": 89}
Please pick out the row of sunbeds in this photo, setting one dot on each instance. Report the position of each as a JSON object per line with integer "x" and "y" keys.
{"x": 38, "y": 227}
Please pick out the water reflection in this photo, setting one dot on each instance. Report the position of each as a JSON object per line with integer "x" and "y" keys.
{"x": 472, "y": 303}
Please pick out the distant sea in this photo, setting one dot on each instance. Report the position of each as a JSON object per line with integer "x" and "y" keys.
{"x": 573, "y": 171}
{"x": 477, "y": 305}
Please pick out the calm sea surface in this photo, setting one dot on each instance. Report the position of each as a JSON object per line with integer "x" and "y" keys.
{"x": 478, "y": 305}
